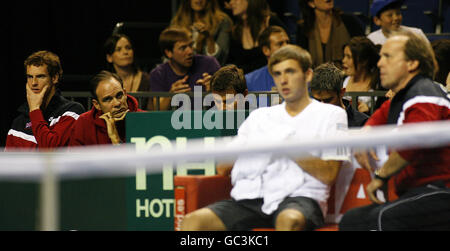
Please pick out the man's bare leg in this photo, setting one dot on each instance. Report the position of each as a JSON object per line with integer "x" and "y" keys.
{"x": 202, "y": 220}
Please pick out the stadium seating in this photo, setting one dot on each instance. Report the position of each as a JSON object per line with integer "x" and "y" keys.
{"x": 421, "y": 14}
{"x": 197, "y": 191}
{"x": 358, "y": 8}
{"x": 434, "y": 36}
{"x": 445, "y": 10}
{"x": 354, "y": 7}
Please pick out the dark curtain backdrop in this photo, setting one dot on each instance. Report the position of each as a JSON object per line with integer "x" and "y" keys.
{"x": 75, "y": 30}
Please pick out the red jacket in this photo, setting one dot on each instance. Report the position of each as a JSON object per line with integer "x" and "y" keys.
{"x": 43, "y": 129}
{"x": 420, "y": 101}
{"x": 90, "y": 129}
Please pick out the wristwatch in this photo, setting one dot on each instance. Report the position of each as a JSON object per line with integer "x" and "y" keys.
{"x": 377, "y": 176}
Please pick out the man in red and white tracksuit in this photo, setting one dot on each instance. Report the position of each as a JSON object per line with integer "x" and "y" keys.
{"x": 421, "y": 176}
{"x": 47, "y": 117}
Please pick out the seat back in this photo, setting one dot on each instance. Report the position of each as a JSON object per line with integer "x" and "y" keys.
{"x": 354, "y": 195}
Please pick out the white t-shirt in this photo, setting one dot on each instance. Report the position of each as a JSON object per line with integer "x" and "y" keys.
{"x": 378, "y": 37}
{"x": 275, "y": 178}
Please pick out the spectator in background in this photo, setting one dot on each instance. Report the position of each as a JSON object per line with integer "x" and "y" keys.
{"x": 251, "y": 18}
{"x": 326, "y": 86}
{"x": 46, "y": 118}
{"x": 229, "y": 88}
{"x": 387, "y": 14}
{"x": 184, "y": 69}
{"x": 105, "y": 123}
{"x": 421, "y": 176}
{"x": 210, "y": 27}
{"x": 441, "y": 49}
{"x": 120, "y": 58}
{"x": 325, "y": 30}
{"x": 360, "y": 65}
{"x": 271, "y": 39}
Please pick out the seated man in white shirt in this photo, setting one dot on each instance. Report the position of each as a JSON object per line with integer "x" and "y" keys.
{"x": 387, "y": 14}
{"x": 273, "y": 191}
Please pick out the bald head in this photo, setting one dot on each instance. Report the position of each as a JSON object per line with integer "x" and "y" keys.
{"x": 402, "y": 57}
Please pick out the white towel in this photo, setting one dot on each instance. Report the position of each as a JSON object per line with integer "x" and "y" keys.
{"x": 266, "y": 176}
{"x": 282, "y": 178}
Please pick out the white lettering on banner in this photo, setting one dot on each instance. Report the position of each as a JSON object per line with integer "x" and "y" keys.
{"x": 182, "y": 117}
{"x": 179, "y": 213}
{"x": 155, "y": 208}
{"x": 141, "y": 176}
{"x": 182, "y": 168}
{"x": 208, "y": 166}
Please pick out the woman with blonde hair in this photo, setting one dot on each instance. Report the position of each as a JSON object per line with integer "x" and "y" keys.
{"x": 210, "y": 27}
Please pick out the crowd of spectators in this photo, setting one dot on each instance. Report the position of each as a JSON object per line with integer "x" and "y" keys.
{"x": 205, "y": 49}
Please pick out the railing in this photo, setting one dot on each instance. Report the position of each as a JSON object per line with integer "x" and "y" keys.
{"x": 87, "y": 97}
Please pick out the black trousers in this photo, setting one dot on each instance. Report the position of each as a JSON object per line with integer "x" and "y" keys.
{"x": 420, "y": 209}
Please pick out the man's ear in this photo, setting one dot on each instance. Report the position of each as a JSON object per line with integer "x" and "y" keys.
{"x": 342, "y": 93}
{"x": 377, "y": 21}
{"x": 55, "y": 79}
{"x": 413, "y": 65}
{"x": 309, "y": 75}
{"x": 266, "y": 50}
{"x": 96, "y": 104}
{"x": 168, "y": 54}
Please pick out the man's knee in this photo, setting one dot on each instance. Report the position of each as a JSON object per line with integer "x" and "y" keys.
{"x": 290, "y": 220}
{"x": 202, "y": 220}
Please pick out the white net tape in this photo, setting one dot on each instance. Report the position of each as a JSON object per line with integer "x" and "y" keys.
{"x": 122, "y": 161}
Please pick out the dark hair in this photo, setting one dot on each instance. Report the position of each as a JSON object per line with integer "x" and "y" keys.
{"x": 229, "y": 77}
{"x": 327, "y": 77}
{"x": 50, "y": 59}
{"x": 170, "y": 36}
{"x": 365, "y": 55}
{"x": 309, "y": 15}
{"x": 441, "y": 49}
{"x": 264, "y": 38}
{"x": 257, "y": 12}
{"x": 102, "y": 76}
{"x": 110, "y": 47}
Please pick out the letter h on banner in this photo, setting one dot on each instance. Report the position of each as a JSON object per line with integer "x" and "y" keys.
{"x": 182, "y": 168}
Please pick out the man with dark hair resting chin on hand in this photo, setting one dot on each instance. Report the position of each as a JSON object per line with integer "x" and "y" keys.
{"x": 105, "y": 123}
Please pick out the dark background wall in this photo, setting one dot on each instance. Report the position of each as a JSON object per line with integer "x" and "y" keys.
{"x": 75, "y": 30}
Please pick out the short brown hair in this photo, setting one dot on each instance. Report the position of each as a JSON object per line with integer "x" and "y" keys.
{"x": 417, "y": 48}
{"x": 50, "y": 59}
{"x": 294, "y": 52}
{"x": 327, "y": 77}
{"x": 264, "y": 37}
{"x": 229, "y": 77}
{"x": 170, "y": 36}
